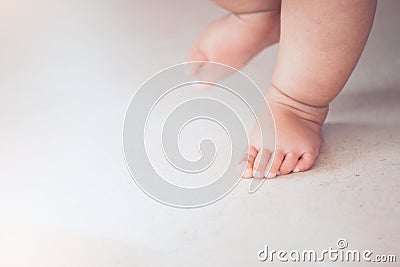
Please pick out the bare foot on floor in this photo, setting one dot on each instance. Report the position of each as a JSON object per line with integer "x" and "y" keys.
{"x": 298, "y": 138}
{"x": 235, "y": 39}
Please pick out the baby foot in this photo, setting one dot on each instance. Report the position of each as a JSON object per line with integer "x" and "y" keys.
{"x": 235, "y": 39}
{"x": 298, "y": 138}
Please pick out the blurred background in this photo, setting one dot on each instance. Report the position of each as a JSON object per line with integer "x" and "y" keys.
{"x": 68, "y": 70}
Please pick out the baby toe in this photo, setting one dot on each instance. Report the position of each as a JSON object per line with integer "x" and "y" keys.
{"x": 289, "y": 162}
{"x": 276, "y": 163}
{"x": 247, "y": 161}
{"x": 195, "y": 54}
{"x": 260, "y": 163}
{"x": 305, "y": 162}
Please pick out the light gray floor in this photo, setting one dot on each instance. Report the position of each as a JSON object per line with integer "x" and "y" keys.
{"x": 68, "y": 70}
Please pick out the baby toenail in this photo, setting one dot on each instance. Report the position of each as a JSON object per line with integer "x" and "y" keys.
{"x": 271, "y": 175}
{"x": 258, "y": 174}
{"x": 297, "y": 169}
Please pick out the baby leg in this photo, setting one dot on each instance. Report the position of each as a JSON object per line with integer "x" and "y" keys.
{"x": 320, "y": 44}
{"x": 236, "y": 38}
